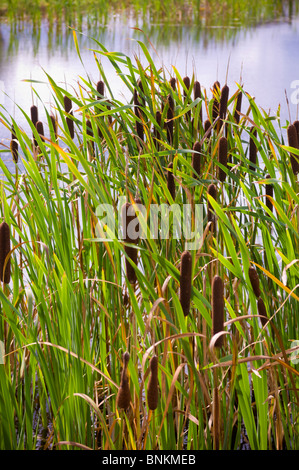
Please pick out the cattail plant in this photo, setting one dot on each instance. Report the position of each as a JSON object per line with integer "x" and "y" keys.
{"x": 89, "y": 132}
{"x": 14, "y": 146}
{"x": 212, "y": 191}
{"x": 186, "y": 81}
{"x": 123, "y": 398}
{"x": 68, "y": 109}
{"x": 293, "y": 142}
{"x": 5, "y": 269}
{"x": 54, "y": 125}
{"x": 131, "y": 235}
{"x": 169, "y": 123}
{"x": 238, "y": 107}
{"x": 252, "y": 148}
{"x": 262, "y": 311}
{"x": 215, "y": 109}
{"x": 222, "y": 158}
{"x": 172, "y": 82}
{"x": 269, "y": 193}
{"x": 152, "y": 388}
{"x": 223, "y": 102}
{"x": 40, "y": 129}
{"x": 207, "y": 128}
{"x": 186, "y": 281}
{"x": 254, "y": 279}
{"x": 171, "y": 181}
{"x": 197, "y": 94}
{"x": 34, "y": 114}
{"x": 217, "y": 308}
{"x": 196, "y": 157}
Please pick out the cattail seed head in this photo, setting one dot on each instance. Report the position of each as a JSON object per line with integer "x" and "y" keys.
{"x": 34, "y": 114}
{"x": 4, "y": 251}
{"x": 269, "y": 192}
{"x": 222, "y": 158}
{"x": 212, "y": 191}
{"x": 186, "y": 81}
{"x": 293, "y": 142}
{"x": 14, "y": 148}
{"x": 152, "y": 388}
{"x": 238, "y": 107}
{"x": 186, "y": 281}
{"x": 131, "y": 235}
{"x": 197, "y": 94}
{"x": 218, "y": 308}
{"x": 123, "y": 398}
{"x": 252, "y": 148}
{"x": 254, "y": 279}
{"x": 223, "y": 102}
{"x": 196, "y": 157}
{"x": 262, "y": 311}
{"x": 40, "y": 129}
{"x": 138, "y": 114}
{"x": 169, "y": 123}
{"x": 54, "y": 124}
{"x": 68, "y": 110}
{"x": 171, "y": 181}
{"x": 172, "y": 82}
{"x": 100, "y": 88}
{"x": 207, "y": 128}
{"x": 215, "y": 109}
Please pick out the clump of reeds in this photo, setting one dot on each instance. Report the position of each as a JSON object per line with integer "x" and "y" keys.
{"x": 129, "y": 220}
{"x": 171, "y": 181}
{"x": 5, "y": 269}
{"x": 222, "y": 158}
{"x": 217, "y": 309}
{"x": 123, "y": 398}
{"x": 293, "y": 142}
{"x": 269, "y": 194}
{"x": 238, "y": 107}
{"x": 68, "y": 109}
{"x": 223, "y": 102}
{"x": 262, "y": 311}
{"x": 212, "y": 191}
{"x": 152, "y": 388}
{"x": 196, "y": 158}
{"x": 185, "y": 281}
{"x": 255, "y": 282}
{"x": 252, "y": 148}
{"x": 14, "y": 146}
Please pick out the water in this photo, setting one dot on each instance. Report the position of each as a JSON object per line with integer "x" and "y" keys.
{"x": 264, "y": 57}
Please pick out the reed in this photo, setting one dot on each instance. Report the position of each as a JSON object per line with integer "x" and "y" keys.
{"x": 170, "y": 116}
{"x": 186, "y": 281}
{"x": 196, "y": 159}
{"x": 123, "y": 398}
{"x": 222, "y": 158}
{"x": 54, "y": 123}
{"x": 254, "y": 280}
{"x": 218, "y": 309}
{"x": 223, "y": 102}
{"x": 69, "y": 111}
{"x": 5, "y": 263}
{"x": 252, "y": 148}
{"x": 238, "y": 107}
{"x": 153, "y": 386}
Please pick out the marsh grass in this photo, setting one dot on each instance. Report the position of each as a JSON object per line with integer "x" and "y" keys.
{"x": 70, "y": 315}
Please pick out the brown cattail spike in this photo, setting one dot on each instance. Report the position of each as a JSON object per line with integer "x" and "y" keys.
{"x": 293, "y": 142}
{"x": 4, "y": 251}
{"x": 197, "y": 94}
{"x": 171, "y": 181}
{"x": 152, "y": 388}
{"x": 207, "y": 128}
{"x": 34, "y": 114}
{"x": 169, "y": 123}
{"x": 186, "y": 81}
{"x": 216, "y": 92}
{"x": 14, "y": 148}
{"x": 138, "y": 114}
{"x": 223, "y": 102}
{"x": 222, "y": 158}
{"x": 54, "y": 124}
{"x": 123, "y": 398}
{"x": 269, "y": 194}
{"x": 212, "y": 191}
{"x": 186, "y": 281}
{"x": 100, "y": 88}
{"x": 238, "y": 107}
{"x": 262, "y": 311}
{"x": 172, "y": 82}
{"x": 40, "y": 129}
{"x": 252, "y": 148}
{"x": 254, "y": 279}
{"x": 196, "y": 157}
{"x": 218, "y": 308}
{"x": 68, "y": 109}
{"x": 131, "y": 235}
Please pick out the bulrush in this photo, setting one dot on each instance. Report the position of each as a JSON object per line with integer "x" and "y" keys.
{"x": 293, "y": 142}
{"x": 212, "y": 191}
{"x": 171, "y": 181}
{"x": 269, "y": 192}
{"x": 217, "y": 308}
{"x": 252, "y": 148}
{"x": 207, "y": 128}
{"x": 223, "y": 102}
{"x": 186, "y": 281}
{"x": 68, "y": 109}
{"x": 222, "y": 158}
{"x": 152, "y": 388}
{"x": 197, "y": 94}
{"x": 4, "y": 250}
{"x": 254, "y": 279}
{"x": 196, "y": 157}
{"x": 34, "y": 114}
{"x": 14, "y": 146}
{"x": 216, "y": 91}
{"x": 131, "y": 235}
{"x": 169, "y": 123}
{"x": 123, "y": 398}
{"x": 172, "y": 82}
{"x": 262, "y": 311}
{"x": 40, "y": 129}
{"x": 100, "y": 89}
{"x": 186, "y": 81}
{"x": 238, "y": 107}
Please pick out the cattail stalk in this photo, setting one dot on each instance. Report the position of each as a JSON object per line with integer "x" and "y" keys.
{"x": 152, "y": 388}
{"x": 254, "y": 279}
{"x": 196, "y": 158}
{"x": 5, "y": 264}
{"x": 218, "y": 308}
{"x": 14, "y": 146}
{"x": 68, "y": 109}
{"x": 123, "y": 398}
{"x": 222, "y": 158}
{"x": 293, "y": 142}
{"x": 186, "y": 281}
{"x": 215, "y": 109}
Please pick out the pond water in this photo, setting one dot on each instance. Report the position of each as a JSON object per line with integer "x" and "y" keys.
{"x": 264, "y": 57}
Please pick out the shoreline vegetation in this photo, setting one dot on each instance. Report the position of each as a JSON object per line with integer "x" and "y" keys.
{"x": 140, "y": 344}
